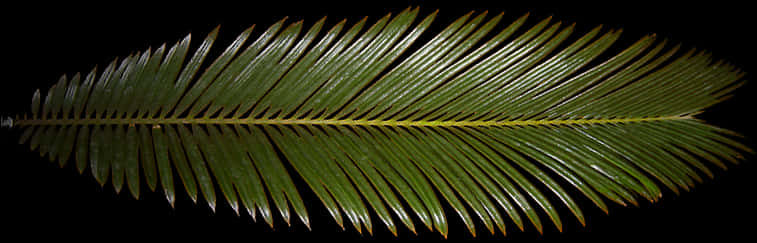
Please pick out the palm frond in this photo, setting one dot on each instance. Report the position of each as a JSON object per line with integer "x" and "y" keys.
{"x": 492, "y": 121}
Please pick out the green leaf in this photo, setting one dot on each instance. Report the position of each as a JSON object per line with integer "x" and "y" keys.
{"x": 493, "y": 121}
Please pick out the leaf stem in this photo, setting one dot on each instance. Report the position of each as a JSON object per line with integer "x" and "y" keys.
{"x": 252, "y": 121}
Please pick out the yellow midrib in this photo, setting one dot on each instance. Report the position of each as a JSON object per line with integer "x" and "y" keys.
{"x": 247, "y": 121}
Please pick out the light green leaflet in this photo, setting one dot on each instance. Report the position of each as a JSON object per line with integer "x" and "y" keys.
{"x": 490, "y": 119}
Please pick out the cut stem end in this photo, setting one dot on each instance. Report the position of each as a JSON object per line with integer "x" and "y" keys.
{"x": 6, "y": 122}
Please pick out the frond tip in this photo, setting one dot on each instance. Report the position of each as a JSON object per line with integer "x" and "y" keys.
{"x": 492, "y": 121}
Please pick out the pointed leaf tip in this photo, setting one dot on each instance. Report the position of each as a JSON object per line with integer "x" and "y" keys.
{"x": 212, "y": 206}
{"x": 306, "y": 221}
{"x": 540, "y": 229}
{"x": 235, "y": 207}
{"x": 171, "y": 199}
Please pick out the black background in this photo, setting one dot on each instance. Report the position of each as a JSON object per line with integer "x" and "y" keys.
{"x": 41, "y": 42}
